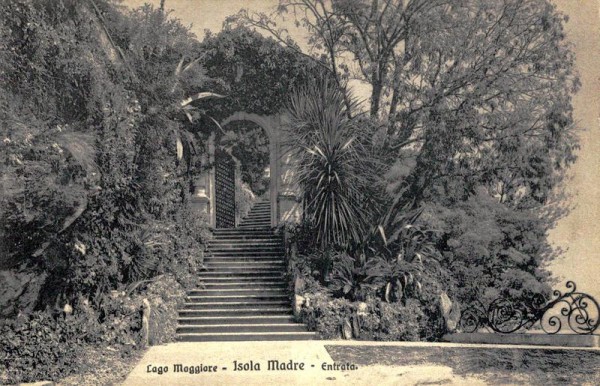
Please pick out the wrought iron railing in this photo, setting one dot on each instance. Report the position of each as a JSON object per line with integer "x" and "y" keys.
{"x": 575, "y": 311}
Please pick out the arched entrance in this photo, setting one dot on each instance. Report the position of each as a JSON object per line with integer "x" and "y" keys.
{"x": 271, "y": 125}
{"x": 283, "y": 193}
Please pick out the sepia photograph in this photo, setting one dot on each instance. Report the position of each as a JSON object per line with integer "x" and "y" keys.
{"x": 299, "y": 192}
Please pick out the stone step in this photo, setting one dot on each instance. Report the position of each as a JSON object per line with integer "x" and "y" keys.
{"x": 252, "y": 258}
{"x": 237, "y": 328}
{"x": 251, "y": 279}
{"x": 238, "y": 291}
{"x": 219, "y": 256}
{"x": 257, "y": 217}
{"x": 228, "y": 257}
{"x": 242, "y": 271}
{"x": 246, "y": 241}
{"x": 266, "y": 209}
{"x": 256, "y": 319}
{"x": 261, "y": 204}
{"x": 235, "y": 254}
{"x": 217, "y": 277}
{"x": 214, "y": 277}
{"x": 242, "y": 285}
{"x": 243, "y": 265}
{"x": 238, "y": 232}
{"x": 227, "y": 244}
{"x": 209, "y": 261}
{"x": 245, "y": 336}
{"x": 242, "y": 259}
{"x": 248, "y": 253}
{"x": 258, "y": 270}
{"x": 245, "y": 253}
{"x": 236, "y": 305}
{"x": 240, "y": 247}
{"x": 240, "y": 251}
{"x": 257, "y": 258}
{"x": 254, "y": 224}
{"x": 233, "y": 312}
{"x": 243, "y": 298}
{"x": 225, "y": 231}
{"x": 243, "y": 234}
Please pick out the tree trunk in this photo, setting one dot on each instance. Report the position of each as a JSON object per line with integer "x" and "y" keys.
{"x": 376, "y": 96}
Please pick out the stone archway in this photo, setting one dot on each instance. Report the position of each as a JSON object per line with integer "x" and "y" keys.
{"x": 283, "y": 193}
{"x": 271, "y": 125}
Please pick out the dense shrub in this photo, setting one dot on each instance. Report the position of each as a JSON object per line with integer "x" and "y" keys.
{"x": 399, "y": 322}
{"x": 244, "y": 199}
{"x": 372, "y": 319}
{"x": 326, "y": 315}
{"x": 99, "y": 193}
{"x": 164, "y": 294}
{"x": 39, "y": 346}
{"x": 120, "y": 320}
{"x": 490, "y": 249}
{"x": 45, "y": 346}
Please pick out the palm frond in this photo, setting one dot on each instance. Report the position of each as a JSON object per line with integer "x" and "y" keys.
{"x": 330, "y": 162}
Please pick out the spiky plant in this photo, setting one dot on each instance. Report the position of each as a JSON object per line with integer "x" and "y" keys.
{"x": 331, "y": 163}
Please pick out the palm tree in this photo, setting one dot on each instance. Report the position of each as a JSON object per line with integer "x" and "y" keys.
{"x": 332, "y": 163}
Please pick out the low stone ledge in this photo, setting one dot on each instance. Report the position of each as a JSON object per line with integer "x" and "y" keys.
{"x": 565, "y": 340}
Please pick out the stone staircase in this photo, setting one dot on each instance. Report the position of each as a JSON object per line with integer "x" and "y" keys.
{"x": 258, "y": 217}
{"x": 245, "y": 294}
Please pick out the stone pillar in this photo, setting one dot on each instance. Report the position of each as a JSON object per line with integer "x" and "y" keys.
{"x": 200, "y": 200}
{"x": 289, "y": 197}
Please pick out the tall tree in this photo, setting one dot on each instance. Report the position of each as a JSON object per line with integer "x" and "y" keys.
{"x": 477, "y": 92}
{"x": 473, "y": 98}
{"x": 370, "y": 34}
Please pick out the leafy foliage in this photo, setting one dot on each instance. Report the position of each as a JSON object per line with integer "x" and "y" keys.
{"x": 256, "y": 73}
{"x": 249, "y": 144}
{"x": 470, "y": 100}
{"x": 491, "y": 250}
{"x": 348, "y": 278}
{"x": 38, "y": 347}
{"x": 370, "y": 321}
{"x": 96, "y": 107}
{"x": 165, "y": 295}
{"x": 334, "y": 166}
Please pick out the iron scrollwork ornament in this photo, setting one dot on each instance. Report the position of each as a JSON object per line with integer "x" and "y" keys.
{"x": 572, "y": 310}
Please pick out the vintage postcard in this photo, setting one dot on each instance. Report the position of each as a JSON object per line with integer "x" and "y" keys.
{"x": 361, "y": 192}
